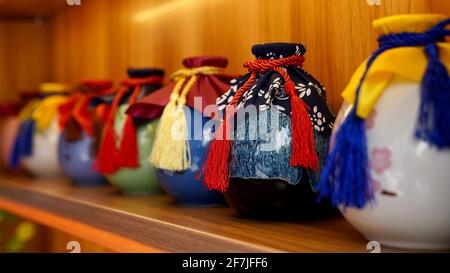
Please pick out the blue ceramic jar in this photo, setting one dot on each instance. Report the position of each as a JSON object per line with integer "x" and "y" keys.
{"x": 76, "y": 159}
{"x": 192, "y": 89}
{"x": 77, "y": 145}
{"x": 182, "y": 185}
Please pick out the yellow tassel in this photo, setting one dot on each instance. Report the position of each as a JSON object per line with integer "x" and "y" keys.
{"x": 171, "y": 150}
{"x": 178, "y": 155}
{"x": 163, "y": 154}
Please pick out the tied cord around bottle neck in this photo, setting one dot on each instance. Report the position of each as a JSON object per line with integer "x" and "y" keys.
{"x": 171, "y": 150}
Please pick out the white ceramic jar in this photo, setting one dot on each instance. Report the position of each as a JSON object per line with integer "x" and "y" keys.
{"x": 44, "y": 160}
{"x": 411, "y": 178}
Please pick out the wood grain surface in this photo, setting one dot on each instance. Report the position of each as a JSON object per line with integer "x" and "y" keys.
{"x": 24, "y": 55}
{"x": 30, "y": 8}
{"x": 101, "y": 38}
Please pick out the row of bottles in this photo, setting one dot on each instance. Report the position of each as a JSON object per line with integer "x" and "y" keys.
{"x": 270, "y": 147}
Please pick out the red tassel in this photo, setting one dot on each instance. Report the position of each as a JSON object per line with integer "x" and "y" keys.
{"x": 216, "y": 169}
{"x": 303, "y": 150}
{"x": 128, "y": 151}
{"x": 128, "y": 154}
{"x": 106, "y": 162}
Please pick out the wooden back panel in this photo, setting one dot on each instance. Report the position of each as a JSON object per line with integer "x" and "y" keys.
{"x": 102, "y": 38}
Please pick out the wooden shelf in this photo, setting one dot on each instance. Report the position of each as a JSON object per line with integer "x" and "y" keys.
{"x": 156, "y": 224}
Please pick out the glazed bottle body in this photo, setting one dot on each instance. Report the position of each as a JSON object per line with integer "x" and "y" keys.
{"x": 266, "y": 178}
{"x": 182, "y": 185}
{"x": 263, "y": 185}
{"x": 43, "y": 162}
{"x": 410, "y": 177}
{"x": 76, "y": 159}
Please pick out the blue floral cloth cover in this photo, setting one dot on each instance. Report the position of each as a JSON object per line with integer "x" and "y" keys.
{"x": 267, "y": 155}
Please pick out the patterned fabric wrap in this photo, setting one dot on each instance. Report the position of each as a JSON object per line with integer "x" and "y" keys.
{"x": 267, "y": 156}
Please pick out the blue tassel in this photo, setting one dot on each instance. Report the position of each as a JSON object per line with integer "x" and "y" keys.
{"x": 23, "y": 146}
{"x": 27, "y": 141}
{"x": 433, "y": 125}
{"x": 15, "y": 155}
{"x": 345, "y": 177}
{"x": 345, "y": 174}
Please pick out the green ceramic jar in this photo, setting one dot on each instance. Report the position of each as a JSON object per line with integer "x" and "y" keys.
{"x": 141, "y": 180}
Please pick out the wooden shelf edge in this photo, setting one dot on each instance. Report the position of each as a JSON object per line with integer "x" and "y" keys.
{"x": 117, "y": 230}
{"x": 78, "y": 229}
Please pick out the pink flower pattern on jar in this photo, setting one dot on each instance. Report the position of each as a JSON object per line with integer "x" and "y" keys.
{"x": 380, "y": 159}
{"x": 376, "y": 185}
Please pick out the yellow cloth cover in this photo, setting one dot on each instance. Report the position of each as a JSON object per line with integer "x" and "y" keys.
{"x": 43, "y": 111}
{"x": 408, "y": 62}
